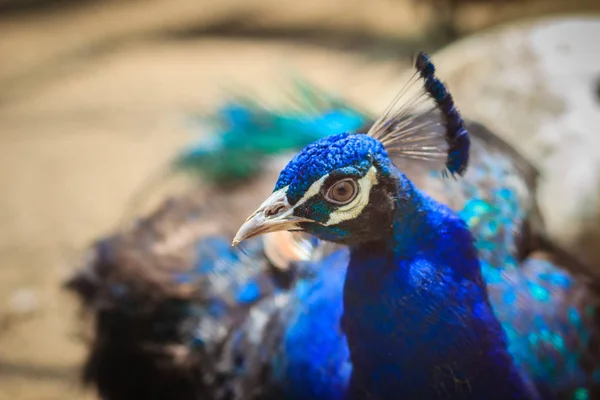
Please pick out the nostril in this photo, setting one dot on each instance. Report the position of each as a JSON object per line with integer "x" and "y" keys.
{"x": 273, "y": 210}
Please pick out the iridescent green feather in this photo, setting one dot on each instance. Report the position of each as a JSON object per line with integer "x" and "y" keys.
{"x": 245, "y": 133}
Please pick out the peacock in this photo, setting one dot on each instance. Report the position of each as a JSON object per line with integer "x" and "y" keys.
{"x": 473, "y": 304}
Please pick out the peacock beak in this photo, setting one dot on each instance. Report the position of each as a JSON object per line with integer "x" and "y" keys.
{"x": 274, "y": 214}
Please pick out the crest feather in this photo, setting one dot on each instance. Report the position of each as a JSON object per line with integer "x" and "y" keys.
{"x": 434, "y": 133}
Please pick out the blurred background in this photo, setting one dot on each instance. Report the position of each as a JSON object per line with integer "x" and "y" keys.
{"x": 95, "y": 97}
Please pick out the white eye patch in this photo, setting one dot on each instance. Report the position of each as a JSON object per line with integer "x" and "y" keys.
{"x": 354, "y": 208}
{"x": 350, "y": 210}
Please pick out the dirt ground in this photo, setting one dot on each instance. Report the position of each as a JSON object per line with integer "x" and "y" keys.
{"x": 91, "y": 106}
{"x": 73, "y": 154}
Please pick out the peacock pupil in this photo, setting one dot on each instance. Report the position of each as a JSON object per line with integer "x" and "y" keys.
{"x": 342, "y": 192}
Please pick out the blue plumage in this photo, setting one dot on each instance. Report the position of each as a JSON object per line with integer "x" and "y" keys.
{"x": 414, "y": 298}
{"x": 326, "y": 155}
{"x": 245, "y": 329}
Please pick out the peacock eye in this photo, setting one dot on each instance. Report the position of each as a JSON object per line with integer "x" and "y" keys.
{"x": 342, "y": 192}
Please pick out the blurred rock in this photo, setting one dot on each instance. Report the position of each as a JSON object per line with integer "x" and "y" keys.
{"x": 51, "y": 38}
{"x": 537, "y": 85}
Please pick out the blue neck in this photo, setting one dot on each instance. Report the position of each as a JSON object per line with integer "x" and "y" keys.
{"x": 416, "y": 312}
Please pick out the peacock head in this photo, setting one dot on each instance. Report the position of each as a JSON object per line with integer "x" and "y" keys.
{"x": 343, "y": 188}
{"x": 339, "y": 189}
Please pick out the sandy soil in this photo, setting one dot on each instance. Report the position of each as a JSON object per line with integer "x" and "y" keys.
{"x": 73, "y": 154}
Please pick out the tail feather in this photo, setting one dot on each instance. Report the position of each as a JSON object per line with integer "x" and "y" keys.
{"x": 245, "y": 133}
{"x": 551, "y": 319}
{"x": 163, "y": 302}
